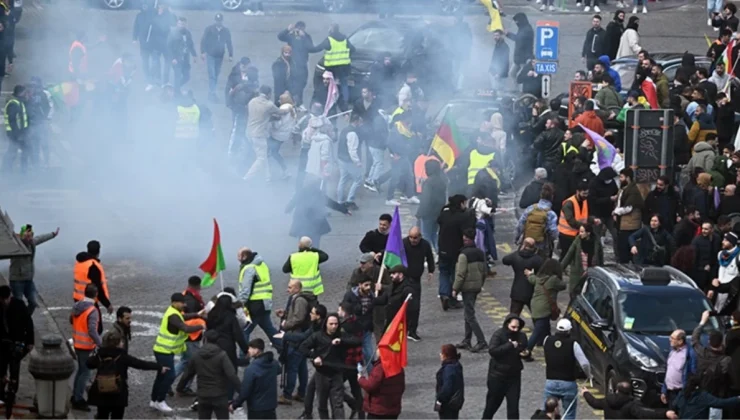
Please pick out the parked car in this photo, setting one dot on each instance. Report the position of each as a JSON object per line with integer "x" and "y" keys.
{"x": 331, "y": 6}
{"x": 230, "y": 5}
{"x": 626, "y": 66}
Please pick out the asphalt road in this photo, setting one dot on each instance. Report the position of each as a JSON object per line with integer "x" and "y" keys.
{"x": 252, "y": 216}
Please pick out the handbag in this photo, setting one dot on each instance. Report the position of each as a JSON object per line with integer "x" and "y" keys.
{"x": 657, "y": 254}
{"x": 554, "y": 309}
{"x": 108, "y": 381}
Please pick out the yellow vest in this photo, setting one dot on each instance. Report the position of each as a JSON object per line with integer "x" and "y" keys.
{"x": 338, "y": 54}
{"x": 305, "y": 267}
{"x": 567, "y": 149}
{"x": 494, "y": 176}
{"x": 477, "y": 162}
{"x": 22, "y": 119}
{"x": 166, "y": 342}
{"x": 262, "y": 289}
{"x": 188, "y": 119}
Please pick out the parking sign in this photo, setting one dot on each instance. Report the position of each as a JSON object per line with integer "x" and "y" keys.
{"x": 546, "y": 40}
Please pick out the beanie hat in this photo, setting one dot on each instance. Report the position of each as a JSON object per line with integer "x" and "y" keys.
{"x": 731, "y": 238}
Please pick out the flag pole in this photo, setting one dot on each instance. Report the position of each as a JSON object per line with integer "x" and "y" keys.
{"x": 364, "y": 370}
{"x": 221, "y": 279}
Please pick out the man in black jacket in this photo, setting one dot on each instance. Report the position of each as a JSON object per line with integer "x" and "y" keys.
{"x": 614, "y": 31}
{"x": 213, "y": 45}
{"x": 523, "y": 259}
{"x": 143, "y": 36}
{"x": 593, "y": 45}
{"x": 16, "y": 341}
{"x": 498, "y": 70}
{"x": 548, "y": 144}
{"x": 418, "y": 253}
{"x": 602, "y": 194}
{"x": 665, "y": 201}
{"x": 453, "y": 220}
{"x": 301, "y": 43}
{"x": 505, "y": 368}
{"x": 523, "y": 42}
{"x": 622, "y": 405}
{"x": 181, "y": 48}
{"x": 531, "y": 193}
{"x": 394, "y": 297}
{"x": 374, "y": 240}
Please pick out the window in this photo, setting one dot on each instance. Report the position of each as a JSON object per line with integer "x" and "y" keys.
{"x": 378, "y": 40}
{"x": 597, "y": 295}
{"x": 662, "y": 313}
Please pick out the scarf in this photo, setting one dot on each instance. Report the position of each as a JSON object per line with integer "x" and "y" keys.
{"x": 286, "y": 61}
{"x": 196, "y": 295}
{"x": 726, "y": 257}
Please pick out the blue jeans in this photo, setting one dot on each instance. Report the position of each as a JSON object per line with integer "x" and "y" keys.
{"x": 82, "y": 375}
{"x": 296, "y": 367}
{"x": 214, "y": 68}
{"x": 565, "y": 391}
{"x": 429, "y": 228}
{"x": 402, "y": 178}
{"x": 541, "y": 330}
{"x": 265, "y": 323}
{"x": 714, "y": 6}
{"x": 446, "y": 273}
{"x": 273, "y": 151}
{"x": 163, "y": 381}
{"x": 190, "y": 348}
{"x": 377, "y": 167}
{"x": 26, "y": 288}
{"x": 368, "y": 349}
{"x": 348, "y": 172}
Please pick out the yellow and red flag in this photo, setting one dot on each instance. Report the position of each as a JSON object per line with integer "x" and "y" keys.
{"x": 393, "y": 346}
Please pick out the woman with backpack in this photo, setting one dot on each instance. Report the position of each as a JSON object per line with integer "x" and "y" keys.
{"x": 655, "y": 245}
{"x": 450, "y": 384}
{"x": 544, "y": 304}
{"x": 109, "y": 390}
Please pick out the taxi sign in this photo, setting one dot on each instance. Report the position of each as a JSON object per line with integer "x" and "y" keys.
{"x": 541, "y": 67}
{"x": 546, "y": 40}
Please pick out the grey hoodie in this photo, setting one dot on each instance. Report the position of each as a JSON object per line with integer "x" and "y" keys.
{"x": 250, "y": 277}
{"x": 216, "y": 375}
{"x": 92, "y": 321}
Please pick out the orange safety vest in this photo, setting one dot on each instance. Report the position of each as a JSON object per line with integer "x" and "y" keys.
{"x": 420, "y": 171}
{"x": 83, "y": 61}
{"x": 80, "y": 333}
{"x": 195, "y": 321}
{"x": 581, "y": 215}
{"x": 81, "y": 280}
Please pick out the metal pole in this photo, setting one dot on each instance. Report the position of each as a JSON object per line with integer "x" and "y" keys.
{"x": 664, "y": 148}
{"x": 635, "y": 137}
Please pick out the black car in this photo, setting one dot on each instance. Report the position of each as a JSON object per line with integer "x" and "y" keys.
{"x": 623, "y": 317}
{"x": 411, "y": 44}
{"x": 230, "y": 5}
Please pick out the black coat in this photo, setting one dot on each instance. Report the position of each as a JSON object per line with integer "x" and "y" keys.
{"x": 732, "y": 349}
{"x": 19, "y": 322}
{"x": 521, "y": 289}
{"x": 548, "y": 143}
{"x": 620, "y": 406}
{"x": 530, "y": 84}
{"x": 600, "y": 203}
{"x": 433, "y": 196}
{"x": 121, "y": 366}
{"x": 681, "y": 144}
{"x": 666, "y": 203}
{"x": 452, "y": 223}
{"x": 729, "y": 205}
{"x": 523, "y": 39}
{"x": 229, "y": 335}
{"x": 614, "y": 31}
{"x": 531, "y": 193}
{"x": 281, "y": 72}
{"x": 505, "y": 361}
{"x": 309, "y": 215}
{"x": 393, "y": 298}
{"x": 500, "y": 60}
{"x": 684, "y": 232}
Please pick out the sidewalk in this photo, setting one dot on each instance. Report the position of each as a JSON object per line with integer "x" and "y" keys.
{"x": 44, "y": 325}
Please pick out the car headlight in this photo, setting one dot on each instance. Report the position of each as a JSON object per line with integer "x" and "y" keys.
{"x": 640, "y": 358}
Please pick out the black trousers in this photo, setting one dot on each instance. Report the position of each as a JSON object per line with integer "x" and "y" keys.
{"x": 375, "y": 416}
{"x": 10, "y": 369}
{"x": 265, "y": 414}
{"x": 310, "y": 394}
{"x": 414, "y": 305}
{"x": 355, "y": 400}
{"x": 448, "y": 414}
{"x": 564, "y": 243}
{"x": 112, "y": 412}
{"x": 209, "y": 406}
{"x": 624, "y": 255}
{"x": 330, "y": 387}
{"x": 500, "y": 388}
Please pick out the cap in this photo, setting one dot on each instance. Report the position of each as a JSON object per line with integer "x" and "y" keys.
{"x": 399, "y": 268}
{"x": 366, "y": 257}
{"x": 564, "y": 325}
{"x": 177, "y": 297}
{"x": 219, "y": 17}
{"x": 731, "y": 238}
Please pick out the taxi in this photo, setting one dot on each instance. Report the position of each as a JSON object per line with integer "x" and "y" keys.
{"x": 623, "y": 316}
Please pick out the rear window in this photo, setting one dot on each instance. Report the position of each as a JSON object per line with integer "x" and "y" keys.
{"x": 378, "y": 40}
{"x": 626, "y": 73}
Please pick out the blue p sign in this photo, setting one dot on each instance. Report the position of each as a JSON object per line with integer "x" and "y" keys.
{"x": 546, "y": 43}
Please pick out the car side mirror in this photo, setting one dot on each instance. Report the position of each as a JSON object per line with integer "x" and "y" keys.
{"x": 600, "y": 324}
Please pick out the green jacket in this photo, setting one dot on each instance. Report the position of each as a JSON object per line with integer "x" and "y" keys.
{"x": 573, "y": 260}
{"x": 540, "y": 305}
{"x": 609, "y": 99}
{"x": 22, "y": 268}
{"x": 470, "y": 270}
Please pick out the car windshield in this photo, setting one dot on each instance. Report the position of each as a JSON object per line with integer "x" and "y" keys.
{"x": 626, "y": 73}
{"x": 467, "y": 116}
{"x": 378, "y": 40}
{"x": 662, "y": 313}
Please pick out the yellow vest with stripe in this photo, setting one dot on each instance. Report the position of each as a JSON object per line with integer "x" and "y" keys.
{"x": 494, "y": 176}
{"x": 188, "y": 120}
{"x": 478, "y": 162}
{"x": 567, "y": 149}
{"x": 305, "y": 267}
{"x": 262, "y": 288}
{"x": 338, "y": 54}
{"x": 22, "y": 119}
{"x": 166, "y": 342}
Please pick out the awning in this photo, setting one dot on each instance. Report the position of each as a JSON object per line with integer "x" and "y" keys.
{"x": 10, "y": 243}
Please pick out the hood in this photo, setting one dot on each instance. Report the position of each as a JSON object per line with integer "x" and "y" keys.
{"x": 265, "y": 358}
{"x": 616, "y": 16}
{"x": 514, "y": 316}
{"x": 521, "y": 20}
{"x": 209, "y": 351}
{"x": 653, "y": 345}
{"x": 310, "y": 297}
{"x": 544, "y": 204}
{"x": 616, "y": 401}
{"x": 497, "y": 121}
{"x": 604, "y": 59}
{"x": 83, "y": 256}
{"x": 702, "y": 146}
{"x": 257, "y": 260}
{"x": 633, "y": 23}
{"x": 607, "y": 174}
{"x": 81, "y": 306}
{"x": 432, "y": 169}
{"x": 688, "y": 60}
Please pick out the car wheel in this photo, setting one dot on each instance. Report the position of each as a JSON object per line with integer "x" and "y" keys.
{"x": 610, "y": 384}
{"x": 449, "y": 7}
{"x": 232, "y": 5}
{"x": 113, "y": 4}
{"x": 333, "y": 6}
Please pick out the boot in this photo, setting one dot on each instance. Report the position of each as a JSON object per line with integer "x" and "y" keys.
{"x": 445, "y": 303}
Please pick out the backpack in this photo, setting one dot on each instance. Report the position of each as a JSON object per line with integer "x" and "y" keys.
{"x": 312, "y": 303}
{"x": 107, "y": 379}
{"x": 536, "y": 223}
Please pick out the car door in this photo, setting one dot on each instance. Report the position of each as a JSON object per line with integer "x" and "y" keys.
{"x": 588, "y": 311}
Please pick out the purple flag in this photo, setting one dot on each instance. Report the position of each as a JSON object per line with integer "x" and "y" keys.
{"x": 605, "y": 151}
{"x": 395, "y": 253}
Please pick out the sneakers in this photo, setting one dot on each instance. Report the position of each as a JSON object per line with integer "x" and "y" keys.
{"x": 392, "y": 202}
{"x": 194, "y": 406}
{"x": 542, "y": 7}
{"x": 644, "y": 11}
{"x": 579, "y": 4}
{"x": 369, "y": 185}
{"x": 587, "y": 9}
{"x": 464, "y": 345}
{"x": 148, "y": 87}
{"x": 551, "y": 8}
{"x": 162, "y": 407}
{"x": 305, "y": 415}
{"x": 634, "y": 10}
{"x": 152, "y": 404}
{"x": 596, "y": 9}
{"x": 284, "y": 401}
{"x": 414, "y": 336}
{"x": 481, "y": 346}
{"x": 351, "y": 205}
{"x": 413, "y": 200}
{"x": 620, "y": 5}
{"x": 249, "y": 13}
{"x": 709, "y": 22}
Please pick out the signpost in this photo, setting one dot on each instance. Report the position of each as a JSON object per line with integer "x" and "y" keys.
{"x": 546, "y": 52}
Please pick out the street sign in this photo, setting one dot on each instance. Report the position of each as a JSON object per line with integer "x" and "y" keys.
{"x": 546, "y": 86}
{"x": 541, "y": 67}
{"x": 546, "y": 40}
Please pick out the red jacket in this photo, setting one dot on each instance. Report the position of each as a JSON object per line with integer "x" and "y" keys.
{"x": 590, "y": 120}
{"x": 383, "y": 395}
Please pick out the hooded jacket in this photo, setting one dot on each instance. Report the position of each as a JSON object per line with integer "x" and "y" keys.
{"x": 471, "y": 270}
{"x": 450, "y": 380}
{"x": 93, "y": 320}
{"x": 123, "y": 361}
{"x": 383, "y": 395}
{"x": 606, "y": 62}
{"x": 703, "y": 125}
{"x": 23, "y": 268}
{"x": 531, "y": 193}
{"x": 629, "y": 44}
{"x": 540, "y": 304}
{"x": 215, "y": 372}
{"x": 259, "y": 387}
{"x": 609, "y": 99}
{"x": 319, "y": 344}
{"x": 703, "y": 157}
{"x": 614, "y": 31}
{"x": 593, "y": 44}
{"x": 523, "y": 259}
{"x": 600, "y": 191}
{"x": 433, "y": 193}
{"x": 452, "y": 222}
{"x": 523, "y": 39}
{"x": 505, "y": 360}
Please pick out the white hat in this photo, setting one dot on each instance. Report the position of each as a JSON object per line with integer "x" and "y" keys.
{"x": 564, "y": 325}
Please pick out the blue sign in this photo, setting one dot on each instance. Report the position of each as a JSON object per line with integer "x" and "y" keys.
{"x": 546, "y": 41}
{"x": 541, "y": 67}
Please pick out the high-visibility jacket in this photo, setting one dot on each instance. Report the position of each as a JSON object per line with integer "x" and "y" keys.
{"x": 83, "y": 61}
{"x": 188, "y": 120}
{"x": 478, "y": 161}
{"x": 82, "y": 280}
{"x": 194, "y": 336}
{"x": 494, "y": 176}
{"x": 581, "y": 215}
{"x": 262, "y": 289}
{"x": 167, "y": 342}
{"x": 398, "y": 111}
{"x": 305, "y": 267}
{"x": 80, "y": 332}
{"x": 338, "y": 54}
{"x": 22, "y": 118}
{"x": 567, "y": 149}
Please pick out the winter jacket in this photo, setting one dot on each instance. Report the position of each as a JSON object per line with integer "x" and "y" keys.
{"x": 301, "y": 45}
{"x": 551, "y": 227}
{"x": 281, "y": 75}
{"x": 216, "y": 41}
{"x": 259, "y": 386}
{"x": 500, "y": 60}
{"x": 729, "y": 205}
{"x": 319, "y": 344}
{"x": 433, "y": 194}
{"x": 573, "y": 259}
{"x": 393, "y": 297}
{"x": 378, "y": 312}
{"x": 614, "y": 31}
{"x": 259, "y": 117}
{"x": 297, "y": 314}
{"x": 697, "y": 405}
{"x": 630, "y": 196}
{"x": 93, "y": 320}
{"x": 320, "y": 156}
{"x": 540, "y": 304}
{"x": 364, "y": 316}
{"x": 590, "y": 120}
{"x": 706, "y": 250}
{"x": 229, "y": 335}
{"x": 629, "y": 44}
{"x": 373, "y": 241}
{"x": 593, "y": 44}
{"x": 530, "y": 84}
{"x": 452, "y": 223}
{"x": 245, "y": 287}
{"x": 709, "y": 359}
{"x": 645, "y": 247}
{"x": 180, "y": 46}
{"x": 523, "y": 39}
{"x": 609, "y": 99}
{"x": 215, "y": 372}
{"x": 470, "y": 271}
{"x": 23, "y": 268}
{"x": 663, "y": 91}
{"x": 383, "y": 396}
{"x": 600, "y": 193}
{"x": 523, "y": 259}
{"x": 703, "y": 125}
{"x": 16, "y": 324}
{"x": 703, "y": 157}
{"x": 548, "y": 144}
{"x": 685, "y": 231}
{"x": 605, "y": 61}
{"x": 732, "y": 349}
{"x": 666, "y": 203}
{"x": 450, "y": 381}
{"x": 505, "y": 361}
{"x": 282, "y": 129}
{"x": 681, "y": 144}
{"x": 531, "y": 193}
{"x": 621, "y": 406}
{"x": 162, "y": 24}
{"x": 142, "y": 26}
{"x": 104, "y": 357}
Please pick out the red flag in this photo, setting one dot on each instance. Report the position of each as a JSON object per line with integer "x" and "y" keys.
{"x": 651, "y": 94}
{"x": 393, "y": 346}
{"x": 215, "y": 262}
